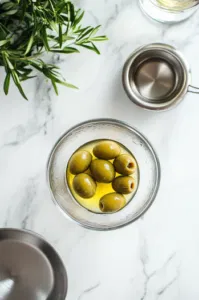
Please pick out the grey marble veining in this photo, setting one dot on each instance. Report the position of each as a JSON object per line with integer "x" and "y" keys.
{"x": 155, "y": 258}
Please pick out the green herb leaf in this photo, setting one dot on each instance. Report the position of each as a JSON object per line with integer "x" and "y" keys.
{"x": 69, "y": 85}
{"x": 66, "y": 50}
{"x": 99, "y": 38}
{"x": 84, "y": 34}
{"x": 3, "y": 42}
{"x": 18, "y": 84}
{"x": 9, "y": 12}
{"x": 60, "y": 35}
{"x": 6, "y": 83}
{"x": 7, "y": 5}
{"x": 9, "y": 64}
{"x": 71, "y": 12}
{"x": 30, "y": 42}
{"x": 93, "y": 47}
{"x": 55, "y": 87}
{"x": 44, "y": 38}
{"x": 78, "y": 19}
{"x": 95, "y": 30}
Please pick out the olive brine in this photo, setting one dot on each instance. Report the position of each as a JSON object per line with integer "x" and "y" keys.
{"x": 102, "y": 176}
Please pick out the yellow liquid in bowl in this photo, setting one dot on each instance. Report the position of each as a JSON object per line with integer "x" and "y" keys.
{"x": 102, "y": 189}
{"x": 176, "y": 4}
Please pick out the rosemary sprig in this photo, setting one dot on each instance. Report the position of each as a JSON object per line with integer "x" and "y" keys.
{"x": 28, "y": 28}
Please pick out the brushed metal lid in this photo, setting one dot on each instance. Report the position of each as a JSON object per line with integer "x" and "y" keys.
{"x": 30, "y": 269}
{"x": 156, "y": 77}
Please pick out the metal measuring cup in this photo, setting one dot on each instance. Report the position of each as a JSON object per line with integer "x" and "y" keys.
{"x": 30, "y": 268}
{"x": 157, "y": 77}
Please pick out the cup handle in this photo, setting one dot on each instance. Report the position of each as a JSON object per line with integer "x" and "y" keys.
{"x": 194, "y": 91}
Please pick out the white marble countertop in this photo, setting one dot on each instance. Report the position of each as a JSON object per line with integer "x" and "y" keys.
{"x": 156, "y": 257}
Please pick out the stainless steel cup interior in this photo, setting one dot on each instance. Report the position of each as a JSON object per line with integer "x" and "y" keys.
{"x": 30, "y": 269}
{"x": 157, "y": 77}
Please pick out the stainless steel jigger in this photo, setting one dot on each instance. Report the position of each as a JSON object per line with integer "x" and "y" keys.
{"x": 157, "y": 77}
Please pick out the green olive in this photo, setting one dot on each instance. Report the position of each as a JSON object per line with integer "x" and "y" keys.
{"x": 124, "y": 184}
{"x": 84, "y": 185}
{"x": 106, "y": 150}
{"x": 80, "y": 162}
{"x": 102, "y": 170}
{"x": 112, "y": 202}
{"x": 125, "y": 164}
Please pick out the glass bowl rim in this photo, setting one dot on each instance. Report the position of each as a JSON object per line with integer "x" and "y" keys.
{"x": 126, "y": 126}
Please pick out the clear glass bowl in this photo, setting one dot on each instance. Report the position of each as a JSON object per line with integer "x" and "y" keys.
{"x": 103, "y": 129}
{"x": 159, "y": 12}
